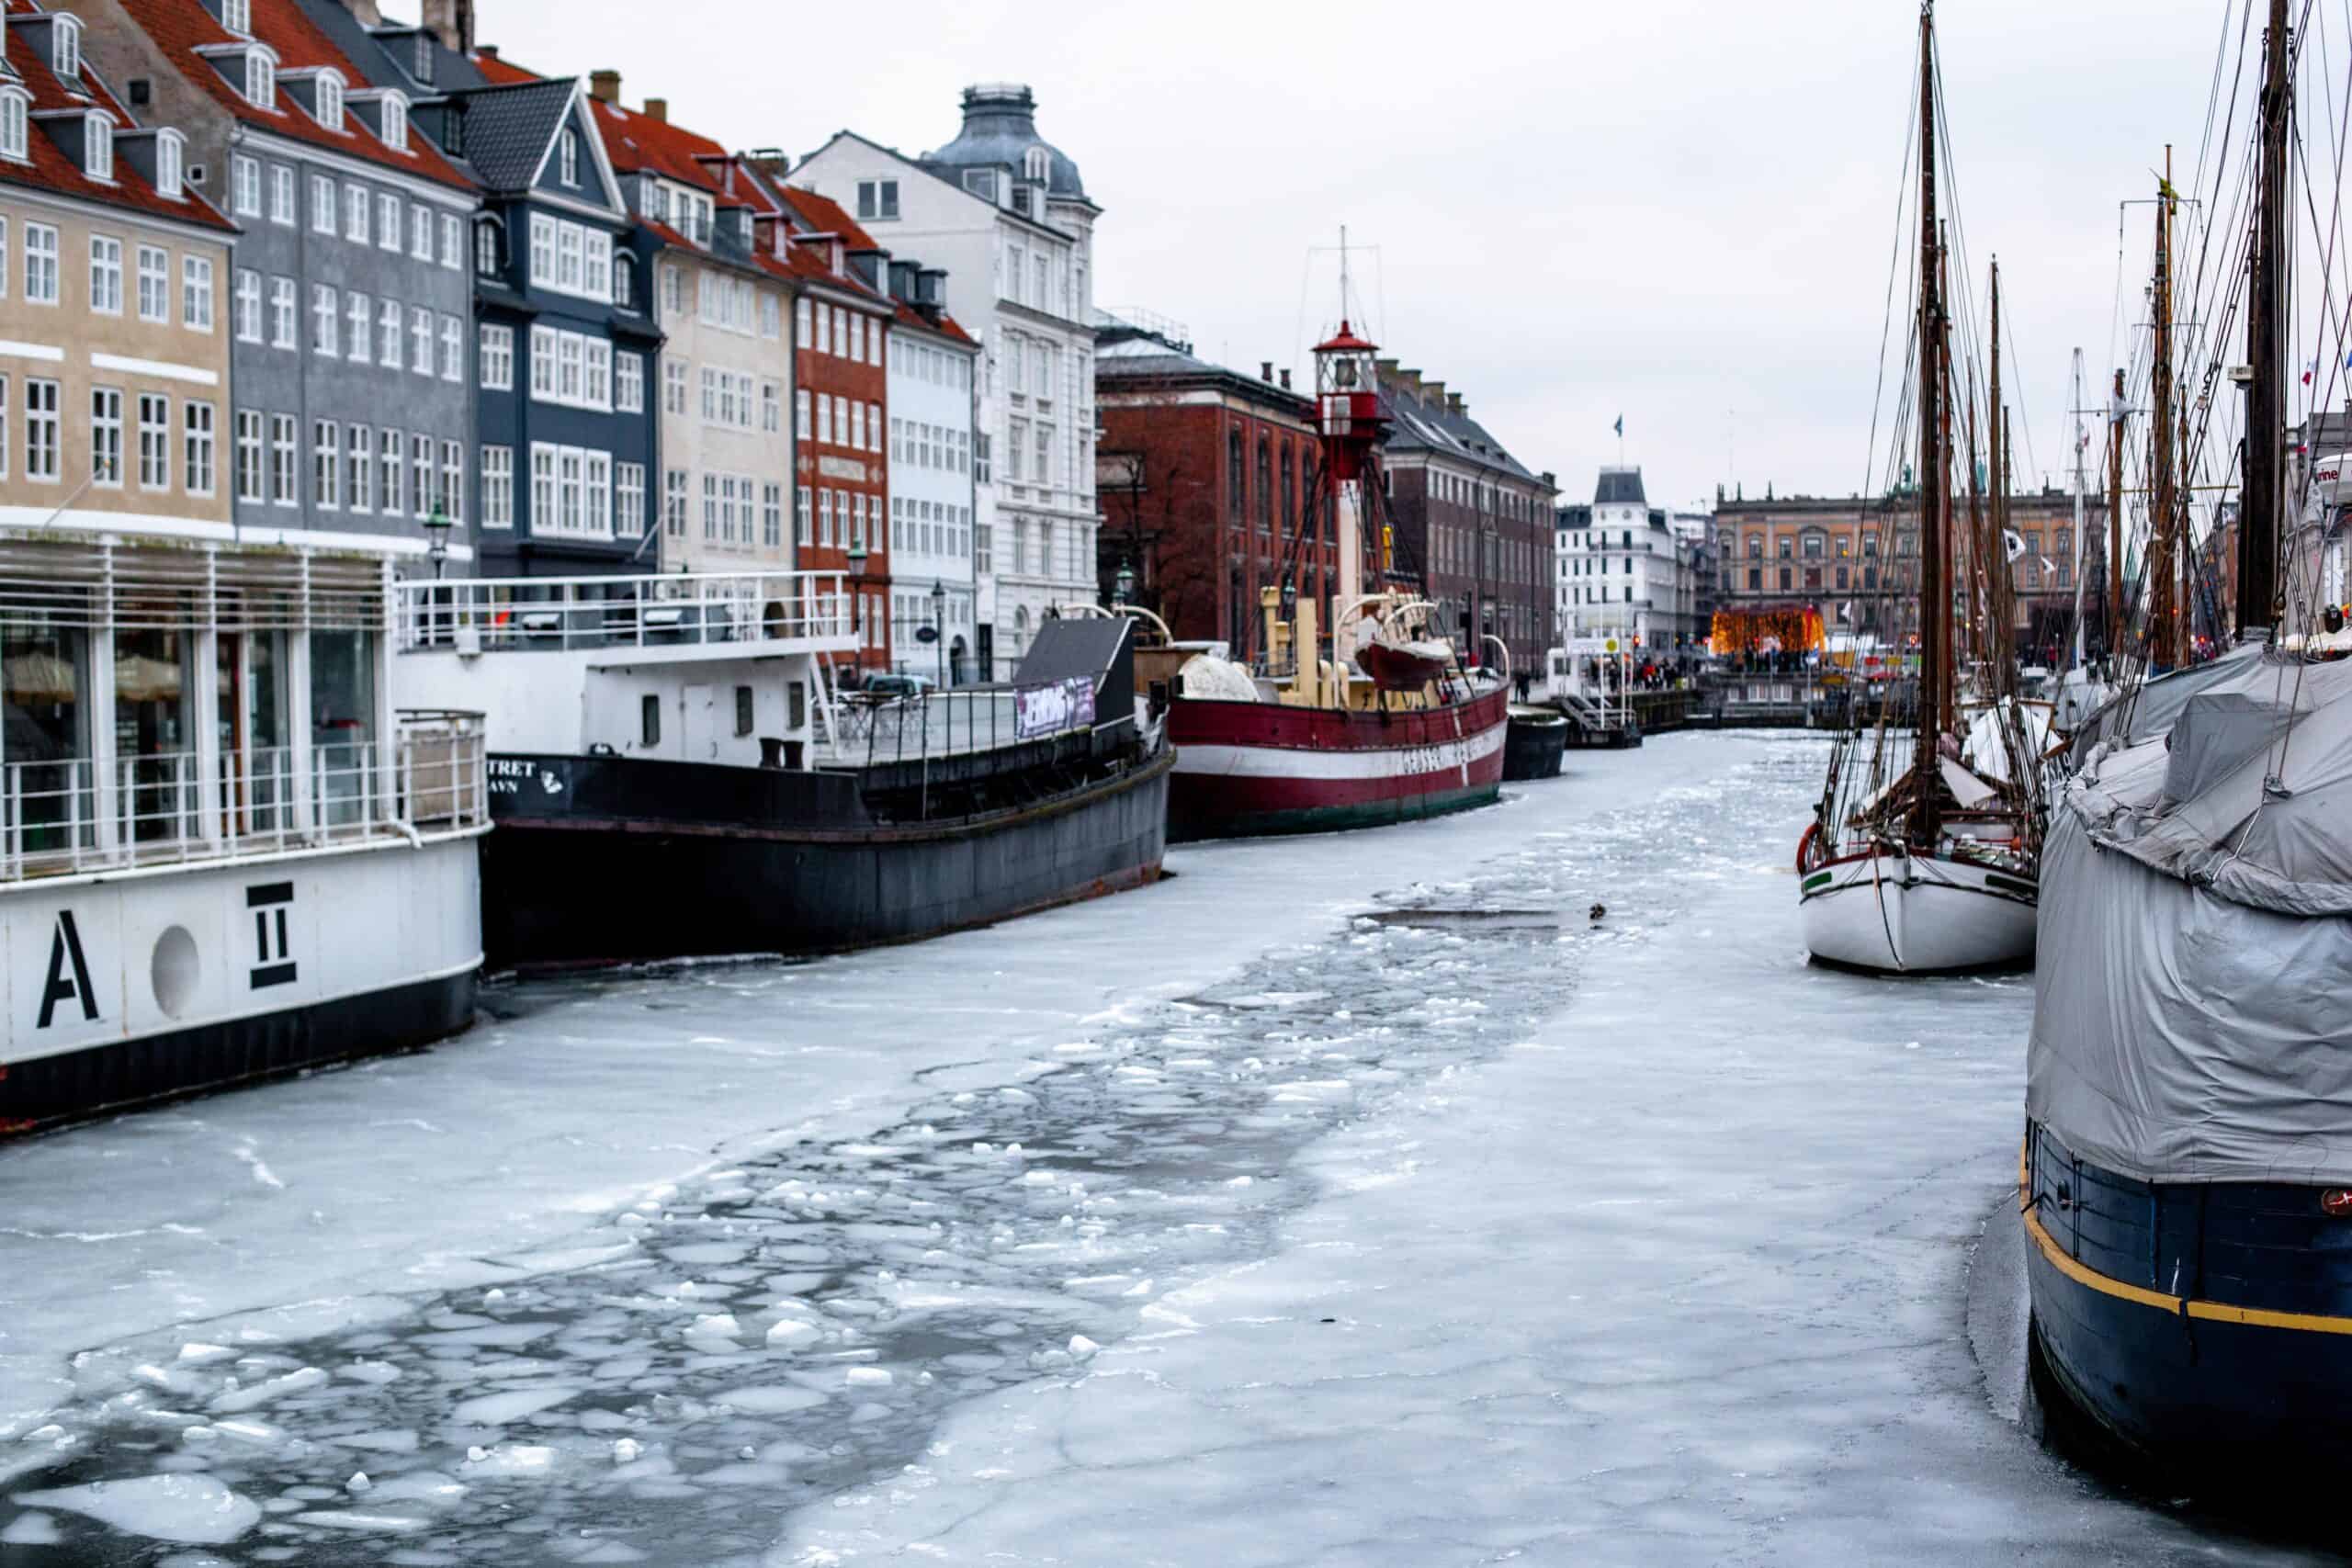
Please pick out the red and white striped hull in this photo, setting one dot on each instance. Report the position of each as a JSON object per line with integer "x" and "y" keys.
{"x": 1246, "y": 769}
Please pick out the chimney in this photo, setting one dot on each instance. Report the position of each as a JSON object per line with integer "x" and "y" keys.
{"x": 1265, "y": 370}
{"x": 1454, "y": 403}
{"x": 657, "y": 108}
{"x": 451, "y": 21}
{"x": 1285, "y": 377}
{"x": 769, "y": 161}
{"x": 487, "y": 50}
{"x": 1433, "y": 393}
{"x": 364, "y": 12}
{"x": 605, "y": 86}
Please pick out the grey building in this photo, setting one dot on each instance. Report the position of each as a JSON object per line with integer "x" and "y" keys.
{"x": 350, "y": 302}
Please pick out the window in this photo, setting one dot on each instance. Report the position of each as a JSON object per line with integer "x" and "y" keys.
{"x": 596, "y": 386}
{"x": 710, "y": 508}
{"x": 419, "y": 340}
{"x": 360, "y": 462}
{"x": 419, "y": 484}
{"x": 825, "y": 420}
{"x": 388, "y": 334}
{"x": 628, "y": 386}
{"x": 322, "y": 204}
{"x": 359, "y": 323}
{"x": 674, "y": 503}
{"x": 624, "y": 283}
{"x": 877, "y": 199}
{"x": 196, "y": 444}
{"x": 65, "y": 47}
{"x": 388, "y": 222}
{"x": 326, "y": 464}
{"x": 674, "y": 292}
{"x": 567, "y": 158}
{"x": 649, "y": 721}
{"x": 355, "y": 214}
{"x": 453, "y": 479}
{"x": 497, "y": 486}
{"x": 801, "y": 526}
{"x": 825, "y": 330}
{"x": 388, "y": 471}
{"x": 771, "y": 316}
{"x": 105, "y": 435}
{"x": 248, "y": 457}
{"x": 154, "y": 440}
{"x": 486, "y": 249}
{"x": 196, "y": 289}
{"x": 41, "y": 264}
{"x": 261, "y": 79}
{"x": 673, "y": 386}
{"x": 800, "y": 413}
{"x": 281, "y": 195}
{"x": 154, "y": 284}
{"x": 13, "y": 103}
{"x": 329, "y": 100}
{"x": 628, "y": 500}
{"x": 106, "y": 275}
{"x": 169, "y": 159}
{"x": 395, "y": 114}
{"x": 324, "y": 305}
{"x": 453, "y": 349}
{"x": 543, "y": 363}
{"x": 800, "y": 327}
{"x": 237, "y": 16}
{"x": 743, "y": 710}
{"x": 498, "y": 361}
{"x": 285, "y": 484}
{"x": 771, "y": 515}
{"x": 770, "y": 408}
{"x": 453, "y": 254}
{"x": 571, "y": 351}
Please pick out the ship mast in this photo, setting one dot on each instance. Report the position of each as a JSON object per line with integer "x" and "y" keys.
{"x": 1993, "y": 637}
{"x": 2164, "y": 634}
{"x": 1935, "y": 608}
{"x": 2115, "y": 413}
{"x": 2257, "y": 561}
{"x": 2077, "y": 388}
{"x": 1347, "y": 406}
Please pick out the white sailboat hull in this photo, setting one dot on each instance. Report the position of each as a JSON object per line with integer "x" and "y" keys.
{"x": 1902, "y": 914}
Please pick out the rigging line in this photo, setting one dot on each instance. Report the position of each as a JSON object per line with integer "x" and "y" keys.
{"x": 1894, "y": 266}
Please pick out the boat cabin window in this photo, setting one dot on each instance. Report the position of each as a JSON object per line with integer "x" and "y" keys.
{"x": 795, "y": 700}
{"x": 649, "y": 720}
{"x": 743, "y": 710}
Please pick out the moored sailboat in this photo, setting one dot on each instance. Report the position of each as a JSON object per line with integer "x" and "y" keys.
{"x": 1921, "y": 856}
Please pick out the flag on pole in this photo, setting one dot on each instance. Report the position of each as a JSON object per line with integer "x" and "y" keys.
{"x": 1620, "y": 426}
{"x": 2015, "y": 541}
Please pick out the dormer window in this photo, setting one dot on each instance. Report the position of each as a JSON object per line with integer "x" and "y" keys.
{"x": 97, "y": 146}
{"x": 395, "y": 122}
{"x": 1036, "y": 165}
{"x": 65, "y": 47}
{"x": 13, "y": 105}
{"x": 329, "y": 100}
{"x": 170, "y": 148}
{"x": 424, "y": 72}
{"x": 237, "y": 16}
{"x": 261, "y": 79}
{"x": 567, "y": 158}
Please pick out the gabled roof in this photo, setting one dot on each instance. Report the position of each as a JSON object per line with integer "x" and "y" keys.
{"x": 946, "y": 326}
{"x": 822, "y": 215}
{"x": 500, "y": 72}
{"x": 939, "y": 173}
{"x": 47, "y": 167}
{"x": 638, "y": 142}
{"x": 508, "y": 129}
{"x": 1416, "y": 425}
{"x": 181, "y": 27}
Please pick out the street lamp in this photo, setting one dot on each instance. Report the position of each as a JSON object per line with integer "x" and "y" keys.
{"x": 939, "y": 625}
{"x": 857, "y": 554}
{"x": 437, "y": 536}
{"x": 1122, "y": 586}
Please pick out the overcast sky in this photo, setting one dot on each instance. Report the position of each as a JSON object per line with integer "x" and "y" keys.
{"x": 1681, "y": 211}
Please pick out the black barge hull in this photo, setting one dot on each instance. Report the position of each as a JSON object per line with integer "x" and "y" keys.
{"x": 2201, "y": 1330}
{"x": 1533, "y": 745}
{"x": 599, "y": 860}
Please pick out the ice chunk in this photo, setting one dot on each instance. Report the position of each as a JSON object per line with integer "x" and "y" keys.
{"x": 351, "y": 1520}
{"x": 510, "y": 1459}
{"x": 32, "y": 1529}
{"x": 263, "y": 1393}
{"x": 791, "y": 1331}
{"x": 626, "y": 1449}
{"x": 498, "y": 1409}
{"x": 1081, "y": 1347}
{"x": 868, "y": 1377}
{"x": 194, "y": 1509}
{"x": 358, "y": 1482}
{"x": 781, "y": 1400}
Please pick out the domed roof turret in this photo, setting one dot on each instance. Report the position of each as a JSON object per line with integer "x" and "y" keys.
{"x": 1000, "y": 129}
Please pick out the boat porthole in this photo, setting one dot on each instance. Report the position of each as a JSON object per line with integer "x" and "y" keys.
{"x": 174, "y": 970}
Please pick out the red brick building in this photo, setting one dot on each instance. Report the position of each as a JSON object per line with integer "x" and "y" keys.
{"x": 841, "y": 325}
{"x": 1204, "y": 475}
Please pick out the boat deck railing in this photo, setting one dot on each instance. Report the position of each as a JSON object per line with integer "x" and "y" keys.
{"x": 75, "y": 815}
{"x": 959, "y": 722}
{"x": 811, "y": 609}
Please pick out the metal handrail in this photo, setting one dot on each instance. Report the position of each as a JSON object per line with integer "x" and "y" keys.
{"x": 473, "y": 615}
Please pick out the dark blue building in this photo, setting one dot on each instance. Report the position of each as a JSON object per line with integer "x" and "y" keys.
{"x": 566, "y": 347}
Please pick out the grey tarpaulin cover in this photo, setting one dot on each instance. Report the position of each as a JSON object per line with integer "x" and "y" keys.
{"x": 2193, "y": 990}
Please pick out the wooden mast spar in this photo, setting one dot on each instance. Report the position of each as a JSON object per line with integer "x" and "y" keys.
{"x": 1933, "y": 596}
{"x": 2266, "y": 436}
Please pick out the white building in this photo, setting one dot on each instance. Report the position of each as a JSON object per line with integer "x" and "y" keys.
{"x": 1626, "y": 569}
{"x": 933, "y": 372}
{"x": 1006, "y": 215}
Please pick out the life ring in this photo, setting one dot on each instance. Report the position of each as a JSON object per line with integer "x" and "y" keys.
{"x": 1812, "y": 832}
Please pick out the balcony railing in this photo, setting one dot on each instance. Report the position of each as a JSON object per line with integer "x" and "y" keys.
{"x": 54, "y": 820}
{"x": 491, "y": 614}
{"x": 937, "y": 724}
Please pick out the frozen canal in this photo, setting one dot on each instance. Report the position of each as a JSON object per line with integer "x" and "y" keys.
{"x": 1344, "y": 1201}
